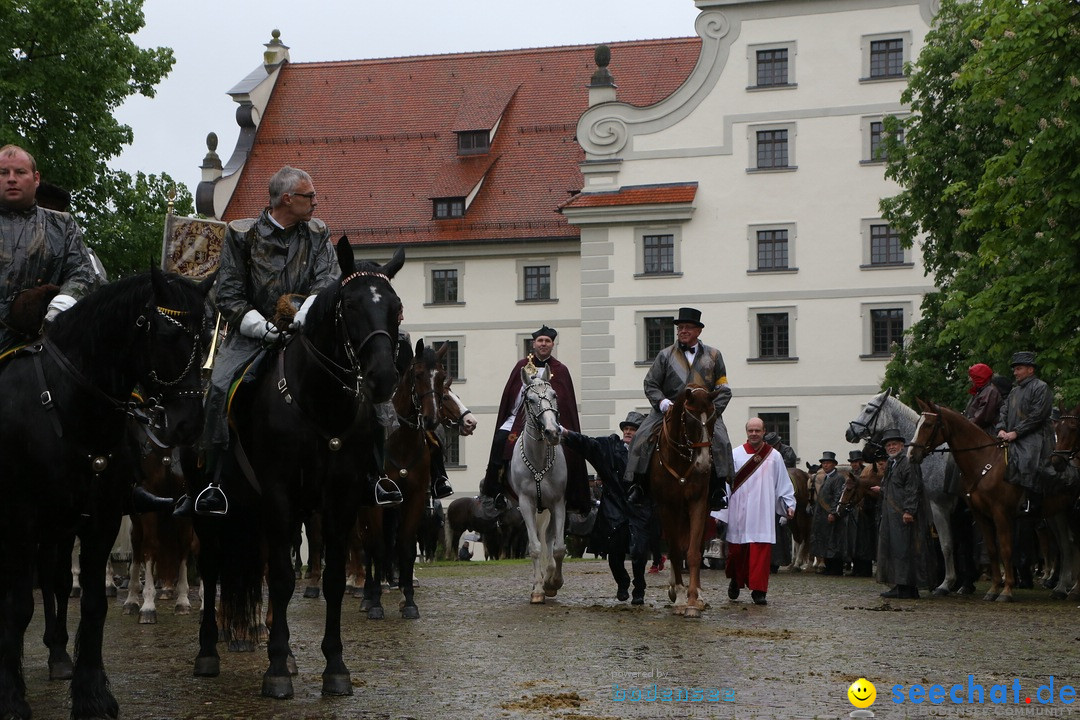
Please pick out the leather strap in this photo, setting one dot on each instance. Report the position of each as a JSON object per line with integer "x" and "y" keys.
{"x": 752, "y": 463}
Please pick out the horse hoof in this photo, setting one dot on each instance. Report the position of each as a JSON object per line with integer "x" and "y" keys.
{"x": 61, "y": 670}
{"x": 290, "y": 665}
{"x": 990, "y": 596}
{"x": 366, "y": 604}
{"x": 277, "y": 687}
{"x": 679, "y": 610}
{"x": 110, "y": 591}
{"x": 148, "y": 617}
{"x": 671, "y": 593}
{"x": 551, "y": 592}
{"x": 182, "y": 610}
{"x": 692, "y": 612}
{"x": 311, "y": 591}
{"x": 1058, "y": 595}
{"x": 131, "y": 608}
{"x": 940, "y": 592}
{"x": 207, "y": 666}
{"x": 166, "y": 595}
{"x": 375, "y": 612}
{"x": 241, "y": 646}
{"x": 966, "y": 590}
{"x": 537, "y": 599}
{"x": 339, "y": 684}
{"x": 1004, "y": 598}
{"x": 410, "y": 612}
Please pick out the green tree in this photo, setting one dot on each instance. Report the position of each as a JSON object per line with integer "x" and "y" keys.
{"x": 127, "y": 231}
{"x": 989, "y": 164}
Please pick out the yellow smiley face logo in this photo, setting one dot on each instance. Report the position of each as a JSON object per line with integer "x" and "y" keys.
{"x": 862, "y": 693}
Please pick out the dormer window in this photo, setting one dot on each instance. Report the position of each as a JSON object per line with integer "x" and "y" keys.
{"x": 473, "y": 142}
{"x": 447, "y": 208}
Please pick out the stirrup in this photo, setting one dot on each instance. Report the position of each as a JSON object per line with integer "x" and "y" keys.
{"x": 209, "y": 501}
{"x": 385, "y": 496}
{"x": 441, "y": 488}
{"x": 185, "y": 507}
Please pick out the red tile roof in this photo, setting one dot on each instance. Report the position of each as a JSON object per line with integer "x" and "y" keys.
{"x": 636, "y": 195}
{"x": 378, "y": 137}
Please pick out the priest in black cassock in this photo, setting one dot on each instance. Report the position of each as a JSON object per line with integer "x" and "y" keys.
{"x": 510, "y": 421}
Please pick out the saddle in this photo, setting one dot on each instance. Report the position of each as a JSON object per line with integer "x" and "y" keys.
{"x": 28, "y": 309}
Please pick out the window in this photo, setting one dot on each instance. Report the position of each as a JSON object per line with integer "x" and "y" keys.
{"x": 448, "y": 208}
{"x": 886, "y": 328}
{"x": 882, "y": 249}
{"x": 659, "y": 254}
{"x": 537, "y": 282}
{"x": 772, "y": 66}
{"x": 772, "y": 335}
{"x": 884, "y": 56}
{"x": 885, "y": 247}
{"x": 452, "y": 449}
{"x": 772, "y": 147}
{"x": 659, "y": 334}
{"x": 444, "y": 286}
{"x": 874, "y": 139}
{"x": 450, "y": 361}
{"x": 474, "y": 142}
{"x": 772, "y": 249}
{"x": 779, "y": 423}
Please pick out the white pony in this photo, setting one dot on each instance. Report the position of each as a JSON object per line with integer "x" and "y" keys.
{"x": 885, "y": 412}
{"x": 538, "y": 478}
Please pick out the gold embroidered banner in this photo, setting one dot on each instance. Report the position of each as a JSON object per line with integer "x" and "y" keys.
{"x": 192, "y": 246}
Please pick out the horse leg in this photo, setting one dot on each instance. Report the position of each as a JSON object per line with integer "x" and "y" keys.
{"x": 135, "y": 591}
{"x": 208, "y": 662}
{"x": 941, "y": 509}
{"x": 277, "y": 680}
{"x": 336, "y": 677}
{"x": 183, "y": 590}
{"x": 408, "y": 522}
{"x": 556, "y": 541}
{"x": 1066, "y": 565}
{"x": 148, "y": 609}
{"x": 313, "y": 527}
{"x": 532, "y": 520}
{"x": 990, "y": 543}
{"x": 1003, "y": 522}
{"x": 55, "y": 581}
{"x": 17, "y": 599}
{"x": 694, "y": 603}
{"x": 90, "y": 693}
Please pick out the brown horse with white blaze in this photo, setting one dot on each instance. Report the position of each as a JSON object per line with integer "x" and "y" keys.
{"x": 679, "y": 472}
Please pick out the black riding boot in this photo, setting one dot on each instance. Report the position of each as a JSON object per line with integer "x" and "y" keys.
{"x": 440, "y": 483}
{"x": 717, "y": 492}
{"x": 1033, "y": 504}
{"x": 144, "y": 501}
{"x": 635, "y": 495}
{"x": 491, "y": 485}
{"x": 220, "y": 464}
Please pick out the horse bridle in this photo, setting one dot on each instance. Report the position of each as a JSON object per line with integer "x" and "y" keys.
{"x": 685, "y": 450}
{"x": 549, "y": 451}
{"x": 930, "y": 447}
{"x": 1069, "y": 455}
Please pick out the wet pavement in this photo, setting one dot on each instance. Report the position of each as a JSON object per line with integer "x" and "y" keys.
{"x": 480, "y": 650}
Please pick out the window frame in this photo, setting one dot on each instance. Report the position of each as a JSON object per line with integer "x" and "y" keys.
{"x": 752, "y": 232}
{"x": 455, "y": 207}
{"x": 552, "y": 265}
{"x": 866, "y": 230}
{"x": 753, "y": 139}
{"x": 867, "y": 43}
{"x": 867, "y": 310}
{"x": 467, "y": 146}
{"x": 868, "y": 137}
{"x": 429, "y": 283}
{"x": 458, "y": 345}
{"x": 755, "y": 355}
{"x": 752, "y": 65}
{"x": 791, "y": 411}
{"x": 641, "y": 318}
{"x": 639, "y": 250}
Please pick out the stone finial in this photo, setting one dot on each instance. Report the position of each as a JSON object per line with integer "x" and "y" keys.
{"x": 277, "y": 52}
{"x": 602, "y": 77}
{"x": 211, "y": 162}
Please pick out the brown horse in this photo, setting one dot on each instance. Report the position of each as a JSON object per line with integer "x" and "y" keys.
{"x": 1066, "y": 460}
{"x": 679, "y": 472}
{"x": 982, "y": 463}
{"x": 800, "y": 524}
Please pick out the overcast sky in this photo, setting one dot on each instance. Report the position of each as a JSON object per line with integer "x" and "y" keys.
{"x": 218, "y": 42}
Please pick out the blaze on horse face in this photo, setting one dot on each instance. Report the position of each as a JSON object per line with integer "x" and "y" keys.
{"x": 370, "y": 315}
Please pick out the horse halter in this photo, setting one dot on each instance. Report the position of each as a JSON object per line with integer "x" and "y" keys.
{"x": 867, "y": 430}
{"x": 352, "y": 350}
{"x": 171, "y": 316}
{"x": 542, "y": 401}
{"x": 1070, "y": 455}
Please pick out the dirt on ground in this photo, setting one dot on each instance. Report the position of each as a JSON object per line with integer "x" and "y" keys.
{"x": 480, "y": 650}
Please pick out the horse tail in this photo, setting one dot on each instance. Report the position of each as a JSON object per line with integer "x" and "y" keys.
{"x": 242, "y": 564}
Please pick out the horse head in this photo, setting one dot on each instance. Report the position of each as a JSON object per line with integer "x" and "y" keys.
{"x": 1067, "y": 431}
{"x": 929, "y": 432}
{"x": 420, "y": 377}
{"x": 541, "y": 404}
{"x": 453, "y": 414}
{"x": 865, "y": 424}
{"x": 355, "y": 322}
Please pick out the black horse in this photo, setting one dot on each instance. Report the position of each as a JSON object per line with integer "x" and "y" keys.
{"x": 306, "y": 426}
{"x": 64, "y": 404}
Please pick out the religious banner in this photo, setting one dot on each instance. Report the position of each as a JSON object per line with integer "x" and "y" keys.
{"x": 192, "y": 246}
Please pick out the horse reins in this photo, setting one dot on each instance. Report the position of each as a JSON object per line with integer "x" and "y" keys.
{"x": 689, "y": 446}
{"x": 549, "y": 452}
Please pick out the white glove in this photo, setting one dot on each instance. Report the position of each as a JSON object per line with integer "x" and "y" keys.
{"x": 254, "y": 325}
{"x": 298, "y": 319}
{"x": 59, "y": 304}
{"x": 665, "y": 404}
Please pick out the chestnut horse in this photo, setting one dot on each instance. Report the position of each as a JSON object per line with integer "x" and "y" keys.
{"x": 982, "y": 463}
{"x": 1066, "y": 460}
{"x": 679, "y": 472}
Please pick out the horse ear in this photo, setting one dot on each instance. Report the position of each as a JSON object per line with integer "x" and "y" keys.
{"x": 888, "y": 392}
{"x": 207, "y": 284}
{"x": 346, "y": 259}
{"x": 419, "y": 347}
{"x": 922, "y": 405}
{"x": 390, "y": 269}
{"x": 525, "y": 379}
{"x": 441, "y": 352}
{"x": 158, "y": 282}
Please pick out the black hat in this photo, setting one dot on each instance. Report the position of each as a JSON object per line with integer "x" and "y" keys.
{"x": 892, "y": 434}
{"x": 826, "y": 455}
{"x": 854, "y": 455}
{"x": 772, "y": 438}
{"x": 1024, "y": 357}
{"x": 633, "y": 419}
{"x": 689, "y": 315}
{"x": 546, "y": 332}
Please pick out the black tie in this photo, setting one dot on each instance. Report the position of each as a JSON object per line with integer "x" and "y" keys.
{"x": 689, "y": 349}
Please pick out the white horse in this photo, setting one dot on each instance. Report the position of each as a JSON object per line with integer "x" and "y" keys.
{"x": 885, "y": 412}
{"x": 538, "y": 477}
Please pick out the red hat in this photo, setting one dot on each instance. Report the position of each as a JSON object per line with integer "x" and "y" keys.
{"x": 980, "y": 374}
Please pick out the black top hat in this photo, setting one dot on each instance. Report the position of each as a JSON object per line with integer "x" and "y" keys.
{"x": 546, "y": 332}
{"x": 689, "y": 315}
{"x": 1024, "y": 357}
{"x": 826, "y": 455}
{"x": 854, "y": 455}
{"x": 892, "y": 434}
{"x": 633, "y": 419}
{"x": 772, "y": 438}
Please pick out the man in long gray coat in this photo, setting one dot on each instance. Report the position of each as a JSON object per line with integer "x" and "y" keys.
{"x": 905, "y": 559}
{"x": 1026, "y": 425}
{"x": 828, "y": 534}
{"x": 687, "y": 362}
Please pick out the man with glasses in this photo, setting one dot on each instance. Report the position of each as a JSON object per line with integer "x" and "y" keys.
{"x": 284, "y": 251}
{"x": 687, "y": 362}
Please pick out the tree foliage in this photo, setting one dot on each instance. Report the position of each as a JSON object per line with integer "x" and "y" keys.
{"x": 990, "y": 166}
{"x": 65, "y": 66}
